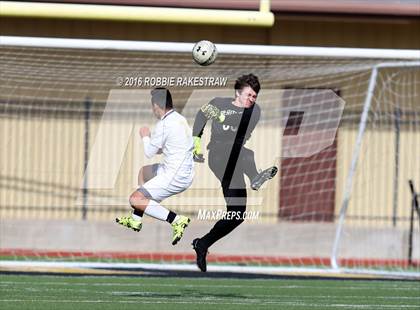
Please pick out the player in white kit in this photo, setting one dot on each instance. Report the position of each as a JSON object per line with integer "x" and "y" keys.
{"x": 171, "y": 137}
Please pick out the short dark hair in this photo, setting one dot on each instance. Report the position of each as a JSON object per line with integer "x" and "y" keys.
{"x": 162, "y": 97}
{"x": 248, "y": 80}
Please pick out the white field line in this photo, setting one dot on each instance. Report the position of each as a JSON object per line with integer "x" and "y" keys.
{"x": 176, "y": 267}
{"x": 150, "y": 293}
{"x": 203, "y": 301}
{"x": 218, "y": 268}
{"x": 153, "y": 294}
{"x": 376, "y": 287}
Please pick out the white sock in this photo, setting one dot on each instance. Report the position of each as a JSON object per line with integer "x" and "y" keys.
{"x": 156, "y": 210}
{"x": 136, "y": 217}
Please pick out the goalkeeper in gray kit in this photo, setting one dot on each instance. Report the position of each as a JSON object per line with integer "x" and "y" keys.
{"x": 233, "y": 121}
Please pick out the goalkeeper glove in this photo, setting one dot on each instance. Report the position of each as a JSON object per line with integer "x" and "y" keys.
{"x": 212, "y": 112}
{"x": 197, "y": 154}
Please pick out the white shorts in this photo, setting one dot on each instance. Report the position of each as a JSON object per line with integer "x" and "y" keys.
{"x": 165, "y": 184}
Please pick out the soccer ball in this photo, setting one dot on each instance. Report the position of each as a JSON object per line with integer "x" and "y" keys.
{"x": 204, "y": 53}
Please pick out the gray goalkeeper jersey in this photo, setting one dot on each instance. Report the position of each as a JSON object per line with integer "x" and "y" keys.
{"x": 236, "y": 128}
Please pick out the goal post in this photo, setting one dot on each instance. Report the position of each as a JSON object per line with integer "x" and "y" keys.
{"x": 356, "y": 152}
{"x": 70, "y": 110}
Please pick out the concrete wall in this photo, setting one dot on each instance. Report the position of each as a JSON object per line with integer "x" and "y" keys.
{"x": 288, "y": 240}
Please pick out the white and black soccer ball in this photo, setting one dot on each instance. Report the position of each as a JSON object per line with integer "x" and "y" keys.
{"x": 204, "y": 53}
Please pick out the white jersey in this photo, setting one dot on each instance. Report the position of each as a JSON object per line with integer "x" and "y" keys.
{"x": 173, "y": 136}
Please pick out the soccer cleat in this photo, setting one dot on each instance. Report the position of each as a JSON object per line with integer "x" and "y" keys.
{"x": 263, "y": 176}
{"x": 178, "y": 228}
{"x": 201, "y": 255}
{"x": 129, "y": 222}
{"x": 212, "y": 112}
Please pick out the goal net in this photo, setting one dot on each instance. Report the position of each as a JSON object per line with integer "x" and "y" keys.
{"x": 343, "y": 130}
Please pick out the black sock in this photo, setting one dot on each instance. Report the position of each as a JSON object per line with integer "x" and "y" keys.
{"x": 138, "y": 212}
{"x": 171, "y": 217}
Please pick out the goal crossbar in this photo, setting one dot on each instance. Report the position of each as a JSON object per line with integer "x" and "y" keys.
{"x": 243, "y": 49}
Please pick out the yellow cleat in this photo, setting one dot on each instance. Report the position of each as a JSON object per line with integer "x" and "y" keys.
{"x": 129, "y": 222}
{"x": 178, "y": 228}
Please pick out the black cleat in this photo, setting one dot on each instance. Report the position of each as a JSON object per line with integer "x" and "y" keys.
{"x": 201, "y": 255}
{"x": 198, "y": 158}
{"x": 263, "y": 176}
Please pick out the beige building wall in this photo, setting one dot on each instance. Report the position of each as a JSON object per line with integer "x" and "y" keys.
{"x": 372, "y": 195}
{"x": 309, "y": 30}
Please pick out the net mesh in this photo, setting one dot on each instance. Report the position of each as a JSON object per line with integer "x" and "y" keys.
{"x": 52, "y": 105}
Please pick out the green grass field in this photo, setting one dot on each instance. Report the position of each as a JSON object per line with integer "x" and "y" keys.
{"x": 103, "y": 292}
